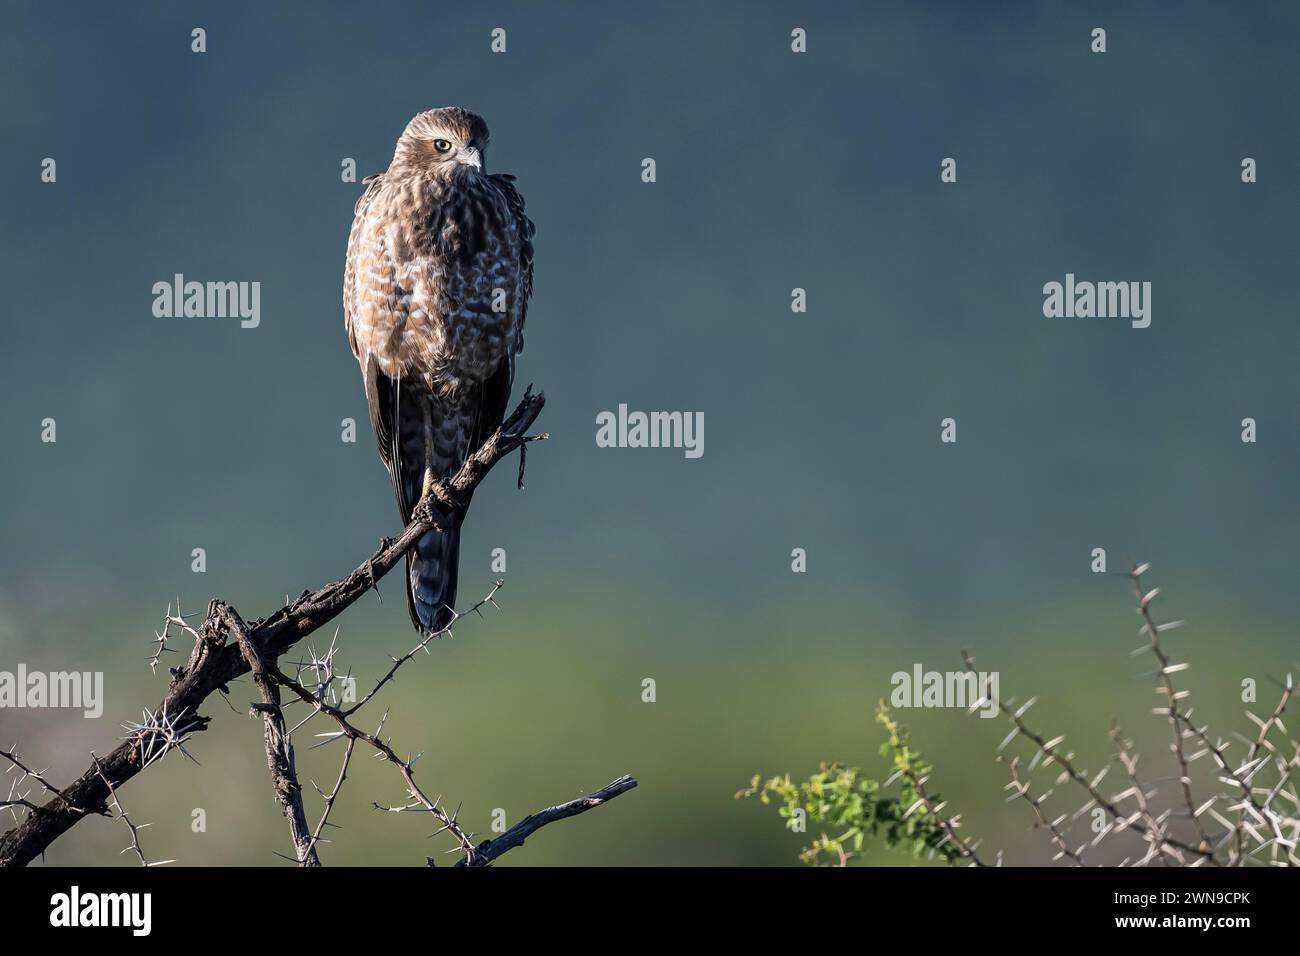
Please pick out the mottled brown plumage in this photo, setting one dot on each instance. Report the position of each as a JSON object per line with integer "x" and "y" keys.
{"x": 435, "y": 291}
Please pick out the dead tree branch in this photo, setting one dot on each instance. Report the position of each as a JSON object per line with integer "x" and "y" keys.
{"x": 38, "y": 775}
{"x": 122, "y": 815}
{"x": 330, "y": 797}
{"x": 215, "y": 661}
{"x": 489, "y": 850}
{"x": 279, "y": 748}
{"x": 405, "y": 767}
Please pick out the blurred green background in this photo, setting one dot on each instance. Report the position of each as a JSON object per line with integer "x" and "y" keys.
{"x": 775, "y": 171}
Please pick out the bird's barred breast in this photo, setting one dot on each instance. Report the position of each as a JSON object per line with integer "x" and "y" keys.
{"x": 423, "y": 313}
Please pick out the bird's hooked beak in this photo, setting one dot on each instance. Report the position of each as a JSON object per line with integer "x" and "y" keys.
{"x": 470, "y": 156}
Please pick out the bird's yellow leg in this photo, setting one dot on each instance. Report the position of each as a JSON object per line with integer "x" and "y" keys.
{"x": 429, "y": 476}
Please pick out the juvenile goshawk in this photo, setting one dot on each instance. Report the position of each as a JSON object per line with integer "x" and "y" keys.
{"x": 439, "y": 272}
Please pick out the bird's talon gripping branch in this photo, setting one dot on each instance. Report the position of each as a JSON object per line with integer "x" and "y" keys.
{"x": 423, "y": 512}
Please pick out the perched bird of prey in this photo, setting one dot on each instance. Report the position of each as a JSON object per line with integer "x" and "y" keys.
{"x": 435, "y": 291}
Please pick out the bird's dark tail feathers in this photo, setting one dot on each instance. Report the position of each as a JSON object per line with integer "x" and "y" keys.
{"x": 431, "y": 580}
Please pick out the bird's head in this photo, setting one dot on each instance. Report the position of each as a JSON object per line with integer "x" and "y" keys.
{"x": 444, "y": 142}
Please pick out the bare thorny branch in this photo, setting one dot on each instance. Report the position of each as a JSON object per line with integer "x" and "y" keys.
{"x": 961, "y": 847}
{"x": 135, "y": 829}
{"x": 1020, "y": 790}
{"x": 17, "y": 799}
{"x": 279, "y": 749}
{"x": 1141, "y": 795}
{"x": 216, "y": 660}
{"x": 1173, "y": 709}
{"x": 1259, "y": 824}
{"x": 1049, "y": 752}
{"x": 406, "y": 767}
{"x": 329, "y": 798}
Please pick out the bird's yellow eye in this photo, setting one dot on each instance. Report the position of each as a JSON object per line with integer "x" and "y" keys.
{"x": 442, "y": 146}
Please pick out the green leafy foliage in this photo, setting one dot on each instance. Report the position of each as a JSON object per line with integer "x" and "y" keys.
{"x": 854, "y": 808}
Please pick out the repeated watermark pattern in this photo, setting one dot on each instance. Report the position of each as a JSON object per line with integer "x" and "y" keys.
{"x": 36, "y": 689}
{"x": 965, "y": 689}
{"x": 178, "y": 298}
{"x": 634, "y": 429}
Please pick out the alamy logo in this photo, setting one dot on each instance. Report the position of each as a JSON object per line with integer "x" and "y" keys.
{"x": 208, "y": 300}
{"x": 55, "y": 689}
{"x": 74, "y": 908}
{"x": 1103, "y": 300}
{"x": 626, "y": 429}
{"x": 938, "y": 689}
